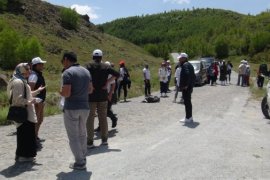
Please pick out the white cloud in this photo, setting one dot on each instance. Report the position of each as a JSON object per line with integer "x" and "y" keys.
{"x": 85, "y": 10}
{"x": 177, "y": 1}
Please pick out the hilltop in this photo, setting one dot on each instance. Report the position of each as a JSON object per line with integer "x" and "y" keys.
{"x": 198, "y": 32}
{"x": 42, "y": 19}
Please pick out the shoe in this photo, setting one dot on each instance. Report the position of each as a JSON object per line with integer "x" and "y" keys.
{"x": 97, "y": 129}
{"x": 26, "y": 159}
{"x": 104, "y": 142}
{"x": 114, "y": 122}
{"x": 77, "y": 166}
{"x": 90, "y": 145}
{"x": 185, "y": 120}
{"x": 40, "y": 140}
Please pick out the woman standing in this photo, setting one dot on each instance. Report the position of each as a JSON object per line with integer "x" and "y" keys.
{"x": 163, "y": 78}
{"x": 26, "y": 138}
{"x": 124, "y": 80}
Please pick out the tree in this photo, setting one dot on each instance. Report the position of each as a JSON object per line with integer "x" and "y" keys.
{"x": 3, "y": 5}
{"x": 69, "y": 18}
{"x": 221, "y": 48}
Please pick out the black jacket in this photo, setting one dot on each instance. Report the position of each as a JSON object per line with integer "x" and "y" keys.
{"x": 187, "y": 76}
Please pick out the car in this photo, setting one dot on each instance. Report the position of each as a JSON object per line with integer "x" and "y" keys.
{"x": 200, "y": 71}
{"x": 208, "y": 61}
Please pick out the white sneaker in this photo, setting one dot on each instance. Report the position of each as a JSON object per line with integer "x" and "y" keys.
{"x": 185, "y": 120}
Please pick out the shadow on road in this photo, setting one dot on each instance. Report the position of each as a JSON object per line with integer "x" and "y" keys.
{"x": 111, "y": 133}
{"x": 101, "y": 149}
{"x": 82, "y": 175}
{"x": 18, "y": 168}
{"x": 192, "y": 125}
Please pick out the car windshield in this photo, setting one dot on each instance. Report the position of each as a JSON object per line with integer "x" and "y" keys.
{"x": 196, "y": 65}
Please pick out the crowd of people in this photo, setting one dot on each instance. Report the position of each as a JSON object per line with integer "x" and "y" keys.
{"x": 91, "y": 90}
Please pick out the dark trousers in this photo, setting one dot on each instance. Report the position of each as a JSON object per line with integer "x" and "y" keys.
{"x": 26, "y": 140}
{"x": 163, "y": 87}
{"x": 147, "y": 88}
{"x": 124, "y": 86}
{"x": 260, "y": 81}
{"x": 187, "y": 102}
{"x": 110, "y": 112}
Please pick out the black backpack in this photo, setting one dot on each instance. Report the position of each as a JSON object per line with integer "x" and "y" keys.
{"x": 151, "y": 99}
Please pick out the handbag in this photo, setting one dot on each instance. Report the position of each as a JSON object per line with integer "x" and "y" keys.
{"x": 17, "y": 114}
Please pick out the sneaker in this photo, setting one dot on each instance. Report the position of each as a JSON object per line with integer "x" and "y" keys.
{"x": 40, "y": 140}
{"x": 90, "y": 145}
{"x": 77, "y": 166}
{"x": 185, "y": 120}
{"x": 104, "y": 142}
{"x": 26, "y": 159}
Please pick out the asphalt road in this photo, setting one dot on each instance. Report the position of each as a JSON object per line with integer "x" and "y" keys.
{"x": 228, "y": 140}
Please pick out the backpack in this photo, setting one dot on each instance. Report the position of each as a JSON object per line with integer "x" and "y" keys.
{"x": 151, "y": 99}
{"x": 263, "y": 69}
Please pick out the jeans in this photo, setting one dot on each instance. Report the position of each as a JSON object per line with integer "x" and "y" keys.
{"x": 147, "y": 88}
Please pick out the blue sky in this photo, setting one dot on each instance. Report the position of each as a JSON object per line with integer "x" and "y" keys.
{"x": 101, "y": 11}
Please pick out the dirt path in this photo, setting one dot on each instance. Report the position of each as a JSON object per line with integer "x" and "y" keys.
{"x": 229, "y": 140}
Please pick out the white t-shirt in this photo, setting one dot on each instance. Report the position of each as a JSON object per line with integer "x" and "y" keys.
{"x": 146, "y": 74}
{"x": 122, "y": 74}
{"x": 33, "y": 77}
{"x": 177, "y": 75}
{"x": 110, "y": 84}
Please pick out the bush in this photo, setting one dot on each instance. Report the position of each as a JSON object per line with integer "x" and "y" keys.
{"x": 69, "y": 18}
{"x": 3, "y": 5}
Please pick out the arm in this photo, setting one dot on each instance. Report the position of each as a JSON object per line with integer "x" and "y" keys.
{"x": 65, "y": 91}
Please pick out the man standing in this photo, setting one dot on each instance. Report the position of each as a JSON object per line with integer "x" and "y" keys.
{"x": 35, "y": 81}
{"x": 76, "y": 87}
{"x": 187, "y": 79}
{"x": 99, "y": 98}
{"x": 147, "y": 85}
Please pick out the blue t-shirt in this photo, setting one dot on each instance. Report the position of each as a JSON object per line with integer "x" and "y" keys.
{"x": 79, "y": 78}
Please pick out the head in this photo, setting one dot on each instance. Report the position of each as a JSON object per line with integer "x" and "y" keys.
{"x": 97, "y": 55}
{"x": 22, "y": 71}
{"x": 122, "y": 63}
{"x": 38, "y": 64}
{"x": 108, "y": 63}
{"x": 183, "y": 57}
{"x": 163, "y": 64}
{"x": 68, "y": 59}
{"x": 146, "y": 66}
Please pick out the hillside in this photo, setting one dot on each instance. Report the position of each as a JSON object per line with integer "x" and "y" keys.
{"x": 45, "y": 24}
{"x": 197, "y": 31}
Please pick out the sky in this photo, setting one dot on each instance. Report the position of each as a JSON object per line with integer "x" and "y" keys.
{"x": 101, "y": 11}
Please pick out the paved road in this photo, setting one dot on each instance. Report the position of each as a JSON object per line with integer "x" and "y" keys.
{"x": 229, "y": 140}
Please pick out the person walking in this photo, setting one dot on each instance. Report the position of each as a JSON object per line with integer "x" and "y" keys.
{"x": 147, "y": 84}
{"x": 229, "y": 70}
{"x": 98, "y": 100}
{"x": 124, "y": 80}
{"x": 163, "y": 79}
{"x": 76, "y": 87}
{"x": 35, "y": 80}
{"x": 20, "y": 94}
{"x": 187, "y": 80}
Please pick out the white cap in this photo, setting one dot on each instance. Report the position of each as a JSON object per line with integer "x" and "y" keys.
{"x": 37, "y": 60}
{"x": 182, "y": 55}
{"x": 168, "y": 61}
{"x": 107, "y": 62}
{"x": 97, "y": 52}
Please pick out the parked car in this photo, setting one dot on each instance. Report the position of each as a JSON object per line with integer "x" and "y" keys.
{"x": 200, "y": 71}
{"x": 208, "y": 61}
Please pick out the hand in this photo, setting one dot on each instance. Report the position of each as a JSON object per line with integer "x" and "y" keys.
{"x": 41, "y": 88}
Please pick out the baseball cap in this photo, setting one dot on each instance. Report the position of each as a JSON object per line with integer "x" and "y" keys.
{"x": 97, "y": 53}
{"x": 37, "y": 60}
{"x": 121, "y": 62}
{"x": 182, "y": 55}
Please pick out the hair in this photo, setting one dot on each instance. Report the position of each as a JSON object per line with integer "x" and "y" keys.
{"x": 71, "y": 56}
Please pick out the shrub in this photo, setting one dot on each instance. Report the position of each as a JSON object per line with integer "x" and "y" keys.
{"x": 3, "y": 5}
{"x": 69, "y": 18}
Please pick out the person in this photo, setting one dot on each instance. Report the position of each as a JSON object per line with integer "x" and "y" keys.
{"x": 187, "y": 80}
{"x": 111, "y": 91}
{"x": 35, "y": 80}
{"x": 76, "y": 87}
{"x": 223, "y": 72}
{"x": 247, "y": 75}
{"x": 124, "y": 80}
{"x": 241, "y": 73}
{"x": 261, "y": 73}
{"x": 163, "y": 79}
{"x": 229, "y": 70}
{"x": 211, "y": 73}
{"x": 177, "y": 82}
{"x": 98, "y": 100}
{"x": 26, "y": 138}
{"x": 114, "y": 97}
{"x": 169, "y": 71}
{"x": 147, "y": 84}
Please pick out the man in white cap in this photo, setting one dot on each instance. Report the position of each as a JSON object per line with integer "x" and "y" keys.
{"x": 35, "y": 81}
{"x": 98, "y": 100}
{"x": 187, "y": 80}
{"x": 241, "y": 73}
